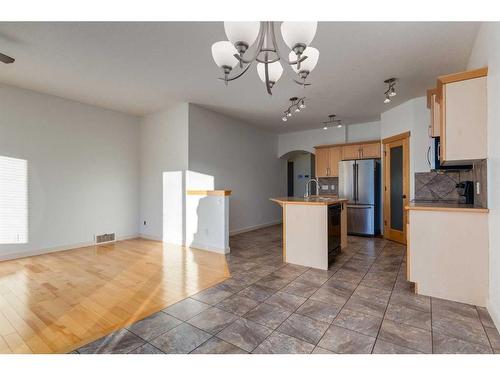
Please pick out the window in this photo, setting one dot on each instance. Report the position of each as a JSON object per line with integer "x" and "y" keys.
{"x": 13, "y": 200}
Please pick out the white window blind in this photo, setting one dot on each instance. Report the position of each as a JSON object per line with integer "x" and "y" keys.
{"x": 13, "y": 200}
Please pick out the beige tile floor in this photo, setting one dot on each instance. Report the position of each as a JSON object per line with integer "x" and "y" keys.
{"x": 363, "y": 304}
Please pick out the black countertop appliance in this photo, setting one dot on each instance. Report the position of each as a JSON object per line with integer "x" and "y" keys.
{"x": 466, "y": 189}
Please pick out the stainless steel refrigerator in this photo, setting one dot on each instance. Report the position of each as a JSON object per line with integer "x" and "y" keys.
{"x": 359, "y": 182}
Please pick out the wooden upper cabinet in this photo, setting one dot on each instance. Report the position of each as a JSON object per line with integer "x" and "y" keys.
{"x": 463, "y": 116}
{"x": 335, "y": 157}
{"x": 327, "y": 161}
{"x": 350, "y": 152}
{"x": 370, "y": 150}
{"x": 361, "y": 151}
{"x": 322, "y": 162}
{"x": 435, "y": 109}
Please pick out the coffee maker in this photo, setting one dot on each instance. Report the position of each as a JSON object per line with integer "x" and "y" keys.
{"x": 466, "y": 189}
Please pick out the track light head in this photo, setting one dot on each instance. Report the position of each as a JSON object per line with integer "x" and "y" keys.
{"x": 391, "y": 89}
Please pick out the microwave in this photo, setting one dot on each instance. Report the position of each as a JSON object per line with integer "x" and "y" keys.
{"x": 433, "y": 155}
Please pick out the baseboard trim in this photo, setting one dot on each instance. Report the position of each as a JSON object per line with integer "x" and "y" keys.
{"x": 213, "y": 249}
{"x": 150, "y": 237}
{"x": 30, "y": 253}
{"x": 254, "y": 227}
{"x": 495, "y": 315}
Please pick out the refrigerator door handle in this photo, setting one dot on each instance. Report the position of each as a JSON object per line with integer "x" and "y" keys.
{"x": 354, "y": 184}
{"x": 357, "y": 181}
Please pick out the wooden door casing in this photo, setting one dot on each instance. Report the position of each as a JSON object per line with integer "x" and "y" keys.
{"x": 396, "y": 141}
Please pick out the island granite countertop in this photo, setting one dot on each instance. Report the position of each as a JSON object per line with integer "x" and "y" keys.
{"x": 313, "y": 200}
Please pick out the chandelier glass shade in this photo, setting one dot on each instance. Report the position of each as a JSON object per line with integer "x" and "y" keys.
{"x": 298, "y": 33}
{"x": 242, "y": 32}
{"x": 274, "y": 71}
{"x": 223, "y": 54}
{"x": 308, "y": 64}
{"x": 256, "y": 41}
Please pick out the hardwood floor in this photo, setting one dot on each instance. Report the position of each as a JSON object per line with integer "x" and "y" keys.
{"x": 57, "y": 302}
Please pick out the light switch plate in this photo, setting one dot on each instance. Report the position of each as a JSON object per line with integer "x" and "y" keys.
{"x": 332, "y": 187}
{"x": 324, "y": 187}
{"x": 478, "y": 188}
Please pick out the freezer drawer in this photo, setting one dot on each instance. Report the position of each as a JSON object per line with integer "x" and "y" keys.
{"x": 361, "y": 219}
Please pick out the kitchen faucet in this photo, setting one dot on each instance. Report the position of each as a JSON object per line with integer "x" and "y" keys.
{"x": 308, "y": 194}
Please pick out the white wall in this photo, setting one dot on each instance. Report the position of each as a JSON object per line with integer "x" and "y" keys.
{"x": 412, "y": 116}
{"x": 306, "y": 140}
{"x": 241, "y": 158}
{"x": 83, "y": 169}
{"x": 301, "y": 167}
{"x": 163, "y": 148}
{"x": 486, "y": 52}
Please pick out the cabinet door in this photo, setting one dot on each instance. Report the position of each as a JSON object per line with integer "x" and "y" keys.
{"x": 335, "y": 157}
{"x": 435, "y": 117}
{"x": 464, "y": 121}
{"x": 322, "y": 162}
{"x": 351, "y": 152}
{"x": 370, "y": 150}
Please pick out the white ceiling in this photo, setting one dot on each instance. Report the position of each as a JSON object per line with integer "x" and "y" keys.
{"x": 138, "y": 68}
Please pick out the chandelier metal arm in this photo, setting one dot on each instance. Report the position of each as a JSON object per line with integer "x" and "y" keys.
{"x": 260, "y": 38}
{"x": 298, "y": 61}
{"x": 266, "y": 71}
{"x": 302, "y": 83}
{"x": 236, "y": 76}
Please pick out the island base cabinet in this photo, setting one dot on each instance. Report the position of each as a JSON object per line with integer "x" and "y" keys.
{"x": 448, "y": 254}
{"x": 306, "y": 234}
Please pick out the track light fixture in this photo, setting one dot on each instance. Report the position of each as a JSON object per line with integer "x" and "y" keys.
{"x": 331, "y": 122}
{"x": 297, "y": 104}
{"x": 391, "y": 89}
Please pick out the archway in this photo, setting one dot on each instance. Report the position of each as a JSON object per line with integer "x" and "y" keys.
{"x": 300, "y": 167}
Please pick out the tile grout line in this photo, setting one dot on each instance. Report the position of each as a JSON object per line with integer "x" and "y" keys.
{"x": 484, "y": 329}
{"x": 340, "y": 310}
{"x": 387, "y": 306}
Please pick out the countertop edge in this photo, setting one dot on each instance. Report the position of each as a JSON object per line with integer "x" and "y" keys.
{"x": 314, "y": 203}
{"x": 438, "y": 208}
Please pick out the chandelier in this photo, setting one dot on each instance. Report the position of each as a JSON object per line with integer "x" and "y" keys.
{"x": 296, "y": 105}
{"x": 235, "y": 56}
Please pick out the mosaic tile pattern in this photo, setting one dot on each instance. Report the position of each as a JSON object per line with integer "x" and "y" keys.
{"x": 440, "y": 185}
{"x": 362, "y": 304}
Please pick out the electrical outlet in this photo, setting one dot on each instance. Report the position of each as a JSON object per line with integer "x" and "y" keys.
{"x": 332, "y": 187}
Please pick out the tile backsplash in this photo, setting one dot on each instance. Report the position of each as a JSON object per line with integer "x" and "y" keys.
{"x": 328, "y": 183}
{"x": 441, "y": 185}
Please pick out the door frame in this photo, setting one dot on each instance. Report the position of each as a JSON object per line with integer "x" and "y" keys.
{"x": 402, "y": 139}
{"x": 290, "y": 177}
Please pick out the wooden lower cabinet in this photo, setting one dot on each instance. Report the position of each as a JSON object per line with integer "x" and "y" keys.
{"x": 447, "y": 254}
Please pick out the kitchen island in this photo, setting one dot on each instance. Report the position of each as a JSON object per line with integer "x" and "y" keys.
{"x": 314, "y": 229}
